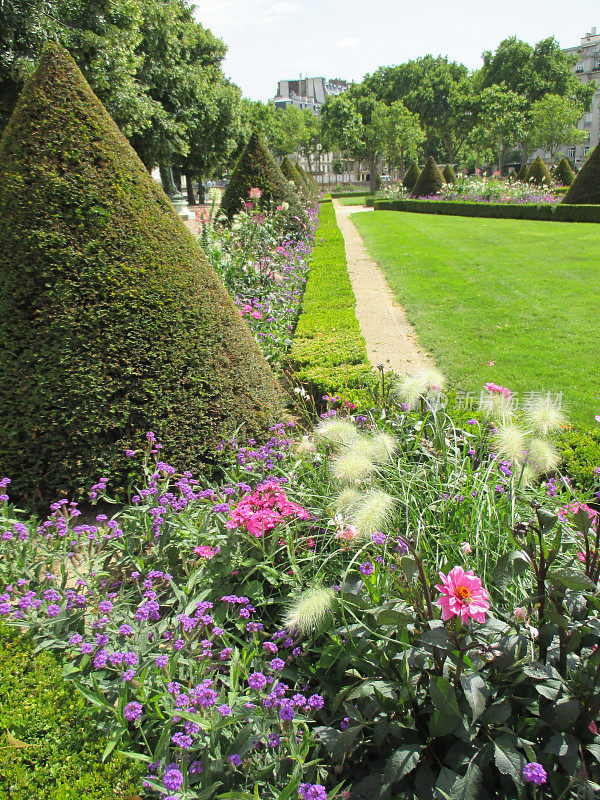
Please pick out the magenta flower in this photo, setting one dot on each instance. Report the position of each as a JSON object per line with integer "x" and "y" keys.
{"x": 535, "y": 773}
{"x": 462, "y": 596}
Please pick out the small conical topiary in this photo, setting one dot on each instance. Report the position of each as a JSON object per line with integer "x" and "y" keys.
{"x": 291, "y": 173}
{"x": 430, "y": 180}
{"x": 256, "y": 167}
{"x": 512, "y": 175}
{"x": 411, "y": 177}
{"x": 538, "y": 173}
{"x": 522, "y": 173}
{"x": 312, "y": 180}
{"x": 586, "y": 184}
{"x": 563, "y": 173}
{"x": 307, "y": 178}
{"x": 449, "y": 174}
{"x": 112, "y": 322}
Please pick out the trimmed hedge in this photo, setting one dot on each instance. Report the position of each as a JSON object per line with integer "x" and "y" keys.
{"x": 112, "y": 322}
{"x": 308, "y": 177}
{"x": 346, "y": 193}
{"x": 449, "y": 174}
{"x": 256, "y": 167}
{"x": 62, "y": 756}
{"x": 580, "y": 450}
{"x": 563, "y": 173}
{"x": 522, "y": 173}
{"x": 586, "y": 186}
{"x": 538, "y": 173}
{"x": 549, "y": 213}
{"x": 430, "y": 181}
{"x": 411, "y": 177}
{"x": 328, "y": 352}
{"x": 291, "y": 173}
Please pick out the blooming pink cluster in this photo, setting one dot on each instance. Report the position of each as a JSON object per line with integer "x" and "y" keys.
{"x": 494, "y": 388}
{"x": 462, "y": 596}
{"x": 247, "y": 309}
{"x": 265, "y": 508}
{"x": 573, "y": 508}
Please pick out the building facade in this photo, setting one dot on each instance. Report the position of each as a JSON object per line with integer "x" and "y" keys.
{"x": 307, "y": 93}
{"x": 587, "y": 69}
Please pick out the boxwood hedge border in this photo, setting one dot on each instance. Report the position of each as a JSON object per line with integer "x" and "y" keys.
{"x": 546, "y": 212}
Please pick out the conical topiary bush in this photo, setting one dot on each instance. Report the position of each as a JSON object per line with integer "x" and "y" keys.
{"x": 411, "y": 177}
{"x": 538, "y": 173}
{"x": 256, "y": 167}
{"x": 310, "y": 179}
{"x": 522, "y": 173}
{"x": 586, "y": 184}
{"x": 291, "y": 173}
{"x": 449, "y": 174}
{"x": 430, "y": 181}
{"x": 112, "y": 323}
{"x": 563, "y": 173}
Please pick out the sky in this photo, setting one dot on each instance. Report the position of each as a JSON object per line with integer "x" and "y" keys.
{"x": 271, "y": 40}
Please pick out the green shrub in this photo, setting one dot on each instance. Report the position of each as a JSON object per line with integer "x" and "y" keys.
{"x": 449, "y": 174}
{"x": 309, "y": 179}
{"x": 430, "y": 181}
{"x": 586, "y": 184}
{"x": 112, "y": 323}
{"x": 538, "y": 173}
{"x": 580, "y": 450}
{"x": 328, "y": 352}
{"x": 256, "y": 167}
{"x": 558, "y": 213}
{"x": 61, "y": 756}
{"x": 411, "y": 177}
{"x": 522, "y": 173}
{"x": 291, "y": 173}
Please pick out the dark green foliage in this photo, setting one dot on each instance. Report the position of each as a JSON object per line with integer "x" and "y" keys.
{"x": 411, "y": 177}
{"x": 328, "y": 351}
{"x": 112, "y": 323}
{"x": 291, "y": 173}
{"x": 586, "y": 185}
{"x": 512, "y": 175}
{"x": 580, "y": 450}
{"x": 62, "y": 759}
{"x": 563, "y": 173}
{"x": 430, "y": 181}
{"x": 558, "y": 213}
{"x": 449, "y": 174}
{"x": 522, "y": 173}
{"x": 538, "y": 173}
{"x": 257, "y": 167}
{"x": 309, "y": 179}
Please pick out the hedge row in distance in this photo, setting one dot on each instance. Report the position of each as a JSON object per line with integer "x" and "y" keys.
{"x": 112, "y": 322}
{"x": 328, "y": 352}
{"x": 550, "y": 213}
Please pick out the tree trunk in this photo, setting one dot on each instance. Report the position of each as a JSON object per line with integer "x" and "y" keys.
{"x": 501, "y": 159}
{"x": 166, "y": 178}
{"x": 402, "y": 167}
{"x": 373, "y": 165}
{"x": 201, "y": 189}
{"x": 177, "y": 177}
{"x": 189, "y": 185}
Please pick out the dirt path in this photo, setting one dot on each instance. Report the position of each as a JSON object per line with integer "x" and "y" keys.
{"x": 391, "y": 339}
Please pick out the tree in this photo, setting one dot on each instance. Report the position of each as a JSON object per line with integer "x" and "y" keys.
{"x": 397, "y": 133}
{"x": 112, "y": 322}
{"x": 552, "y": 123}
{"x": 500, "y": 121}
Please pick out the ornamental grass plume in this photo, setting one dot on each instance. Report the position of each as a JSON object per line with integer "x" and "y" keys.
{"x": 544, "y": 416}
{"x": 413, "y": 387}
{"x": 379, "y": 448}
{"x": 337, "y": 431}
{"x": 463, "y": 596}
{"x": 374, "y": 512}
{"x": 543, "y": 456}
{"x": 351, "y": 467}
{"x": 308, "y": 612}
{"x": 498, "y": 403}
{"x": 345, "y": 500}
{"x": 510, "y": 443}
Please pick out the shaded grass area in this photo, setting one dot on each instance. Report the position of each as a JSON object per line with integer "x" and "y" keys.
{"x": 518, "y": 293}
{"x": 49, "y": 748}
{"x": 352, "y": 201}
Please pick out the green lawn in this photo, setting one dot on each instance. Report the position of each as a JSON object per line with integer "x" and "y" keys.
{"x": 359, "y": 200}
{"x": 524, "y": 295}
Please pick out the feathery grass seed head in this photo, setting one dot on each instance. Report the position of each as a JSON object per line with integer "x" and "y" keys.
{"x": 510, "y": 443}
{"x": 543, "y": 456}
{"x": 545, "y": 416}
{"x": 308, "y": 612}
{"x": 337, "y": 431}
{"x": 350, "y": 467}
{"x": 346, "y": 500}
{"x": 411, "y": 387}
{"x": 374, "y": 512}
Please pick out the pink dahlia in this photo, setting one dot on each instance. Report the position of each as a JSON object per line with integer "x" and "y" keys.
{"x": 462, "y": 596}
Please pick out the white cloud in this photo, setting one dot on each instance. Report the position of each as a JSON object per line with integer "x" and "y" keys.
{"x": 220, "y": 14}
{"x": 349, "y": 41}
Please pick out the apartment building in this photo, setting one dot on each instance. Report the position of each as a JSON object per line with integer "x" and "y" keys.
{"x": 587, "y": 69}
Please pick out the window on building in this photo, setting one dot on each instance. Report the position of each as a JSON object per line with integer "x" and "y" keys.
{"x": 571, "y": 152}
{"x": 586, "y": 150}
{"x": 597, "y": 65}
{"x": 579, "y": 68}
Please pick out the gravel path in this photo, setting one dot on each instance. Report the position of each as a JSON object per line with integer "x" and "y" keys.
{"x": 391, "y": 339}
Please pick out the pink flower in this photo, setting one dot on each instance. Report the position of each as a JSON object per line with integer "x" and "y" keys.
{"x": 204, "y": 551}
{"x": 597, "y": 417}
{"x": 592, "y": 728}
{"x": 462, "y": 596}
{"x": 256, "y": 314}
{"x": 347, "y": 534}
{"x": 255, "y": 193}
{"x": 465, "y": 548}
{"x": 202, "y": 215}
{"x": 246, "y": 309}
{"x": 520, "y": 613}
{"x": 493, "y": 388}
{"x": 574, "y": 508}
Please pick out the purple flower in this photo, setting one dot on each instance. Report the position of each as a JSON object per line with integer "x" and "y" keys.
{"x": 256, "y": 680}
{"x": 173, "y": 779}
{"x": 366, "y": 568}
{"x": 182, "y": 740}
{"x": 224, "y": 710}
{"x": 312, "y": 791}
{"x": 286, "y": 712}
{"x": 132, "y": 711}
{"x": 235, "y": 760}
{"x": 277, "y": 664}
{"x": 53, "y": 610}
{"x": 316, "y": 701}
{"x": 535, "y": 773}
{"x": 162, "y": 661}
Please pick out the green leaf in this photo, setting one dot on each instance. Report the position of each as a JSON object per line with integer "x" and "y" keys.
{"x": 443, "y": 697}
{"x": 572, "y": 578}
{"x": 509, "y": 760}
{"x": 402, "y": 761}
{"x": 469, "y": 787}
{"x": 476, "y": 693}
{"x": 113, "y": 741}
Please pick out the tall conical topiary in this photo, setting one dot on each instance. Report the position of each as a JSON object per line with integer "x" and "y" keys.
{"x": 538, "y": 173}
{"x": 586, "y": 184}
{"x": 430, "y": 181}
{"x": 522, "y": 173}
{"x": 256, "y": 167}
{"x": 112, "y": 323}
{"x": 411, "y": 177}
{"x": 309, "y": 179}
{"x": 449, "y": 174}
{"x": 563, "y": 173}
{"x": 291, "y": 173}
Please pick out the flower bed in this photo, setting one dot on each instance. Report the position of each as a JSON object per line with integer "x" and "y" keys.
{"x": 548, "y": 213}
{"x": 287, "y": 631}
